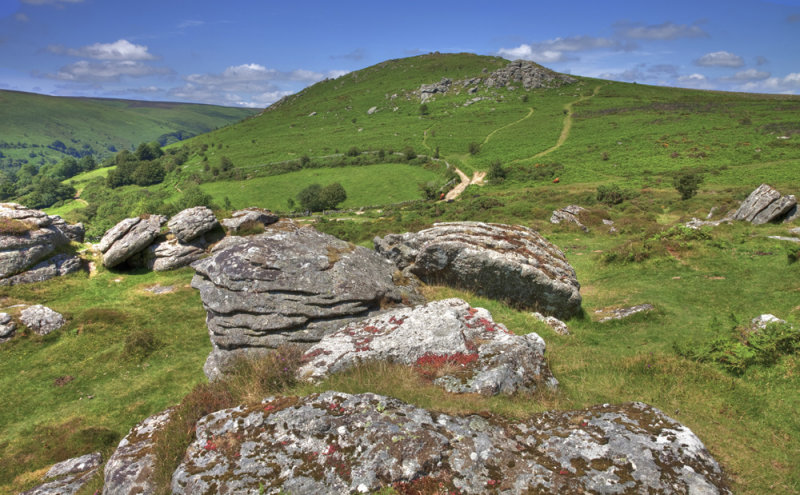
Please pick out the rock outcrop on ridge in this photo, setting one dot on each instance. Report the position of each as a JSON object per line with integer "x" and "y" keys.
{"x": 340, "y": 443}
{"x": 289, "y": 284}
{"x": 765, "y": 204}
{"x": 461, "y": 348}
{"x": 30, "y": 241}
{"x": 505, "y": 262}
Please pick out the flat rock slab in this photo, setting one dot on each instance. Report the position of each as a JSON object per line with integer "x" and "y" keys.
{"x": 461, "y": 348}
{"x": 130, "y": 469}
{"x": 69, "y": 476}
{"x": 555, "y": 324}
{"x": 247, "y": 216}
{"x": 41, "y": 320}
{"x": 192, "y": 223}
{"x": 129, "y": 237}
{"x": 288, "y": 285}
{"x": 339, "y": 443}
{"x": 608, "y": 314}
{"x": 505, "y": 262}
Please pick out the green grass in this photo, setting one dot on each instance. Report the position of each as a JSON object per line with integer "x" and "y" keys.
{"x": 365, "y": 185}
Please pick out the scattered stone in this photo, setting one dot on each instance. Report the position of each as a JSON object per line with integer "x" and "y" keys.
{"x": 59, "y": 265}
{"x": 339, "y": 443}
{"x": 289, "y": 284}
{"x": 555, "y": 324}
{"x": 312, "y": 114}
{"x": 607, "y": 314}
{"x": 69, "y": 476}
{"x": 765, "y": 204}
{"x": 569, "y": 214}
{"x": 460, "y": 348}
{"x": 372, "y": 110}
{"x": 428, "y": 90}
{"x": 159, "y": 289}
{"x": 8, "y": 327}
{"x": 795, "y": 231}
{"x": 129, "y": 237}
{"x": 249, "y": 216}
{"x": 696, "y": 223}
{"x": 783, "y": 238}
{"x": 504, "y": 262}
{"x": 760, "y": 322}
{"x": 130, "y": 468}
{"x": 41, "y": 320}
{"x": 191, "y": 223}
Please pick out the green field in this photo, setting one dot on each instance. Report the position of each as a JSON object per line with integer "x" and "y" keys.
{"x": 705, "y": 286}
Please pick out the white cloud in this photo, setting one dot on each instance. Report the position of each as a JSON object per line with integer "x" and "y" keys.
{"x": 789, "y": 83}
{"x": 747, "y": 76}
{"x": 663, "y": 31}
{"x": 110, "y": 70}
{"x": 559, "y": 49}
{"x": 118, "y": 50}
{"x": 720, "y": 59}
{"x": 697, "y": 81}
{"x": 251, "y": 85}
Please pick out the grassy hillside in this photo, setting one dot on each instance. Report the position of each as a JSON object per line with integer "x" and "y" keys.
{"x": 32, "y": 125}
{"x": 705, "y": 285}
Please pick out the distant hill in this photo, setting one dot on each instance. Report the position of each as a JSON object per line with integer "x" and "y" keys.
{"x": 41, "y": 129}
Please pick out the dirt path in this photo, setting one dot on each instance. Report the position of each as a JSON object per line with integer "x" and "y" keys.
{"x": 477, "y": 178}
{"x": 567, "y": 123}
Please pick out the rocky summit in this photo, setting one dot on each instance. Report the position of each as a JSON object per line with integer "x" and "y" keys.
{"x": 289, "y": 284}
{"x": 460, "y": 348}
{"x": 505, "y": 262}
{"x": 340, "y": 443}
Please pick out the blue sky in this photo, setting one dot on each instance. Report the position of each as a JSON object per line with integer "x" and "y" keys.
{"x": 250, "y": 53}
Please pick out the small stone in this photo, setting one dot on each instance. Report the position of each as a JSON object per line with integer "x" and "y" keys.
{"x": 41, "y": 320}
{"x": 555, "y": 324}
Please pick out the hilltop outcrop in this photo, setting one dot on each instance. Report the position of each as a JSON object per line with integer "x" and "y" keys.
{"x": 289, "y": 284}
{"x": 461, "y": 348}
{"x": 30, "y": 241}
{"x": 340, "y": 443}
{"x": 505, "y": 262}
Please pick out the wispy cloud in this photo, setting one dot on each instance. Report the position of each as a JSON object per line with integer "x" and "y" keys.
{"x": 85, "y": 71}
{"x": 118, "y": 50}
{"x": 21, "y": 17}
{"x": 561, "y": 49}
{"x": 793, "y": 18}
{"x": 747, "y": 76}
{"x": 789, "y": 83}
{"x": 50, "y": 2}
{"x": 190, "y": 23}
{"x": 355, "y": 55}
{"x": 664, "y": 31}
{"x": 720, "y": 59}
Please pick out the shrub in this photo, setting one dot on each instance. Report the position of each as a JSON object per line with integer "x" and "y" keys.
{"x": 687, "y": 184}
{"x": 139, "y": 344}
{"x": 474, "y": 148}
{"x": 353, "y": 152}
{"x": 318, "y": 198}
{"x": 610, "y": 194}
{"x": 423, "y": 109}
{"x": 496, "y": 172}
{"x": 410, "y": 153}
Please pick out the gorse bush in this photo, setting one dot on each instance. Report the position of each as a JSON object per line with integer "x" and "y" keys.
{"x": 687, "y": 184}
{"x": 610, "y": 194}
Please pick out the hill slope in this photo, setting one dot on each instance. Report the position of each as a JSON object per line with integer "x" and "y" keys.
{"x": 45, "y": 129}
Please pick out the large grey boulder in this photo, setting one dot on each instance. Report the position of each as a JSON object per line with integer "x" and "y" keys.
{"x": 171, "y": 254}
{"x": 129, "y": 237}
{"x": 27, "y": 237}
{"x": 569, "y": 214}
{"x": 765, "y": 204}
{"x": 130, "y": 468}
{"x": 41, "y": 320}
{"x": 59, "y": 265}
{"x": 67, "y": 477}
{"x": 506, "y": 262}
{"x": 249, "y": 216}
{"x": 460, "y": 348}
{"x": 191, "y": 223}
{"x": 288, "y": 284}
{"x": 340, "y": 443}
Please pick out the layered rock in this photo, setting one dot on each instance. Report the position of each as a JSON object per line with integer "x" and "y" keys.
{"x": 171, "y": 254}
{"x": 530, "y": 74}
{"x": 339, "y": 443}
{"x": 41, "y": 320}
{"x": 765, "y": 204}
{"x": 191, "y": 223}
{"x": 249, "y": 216}
{"x": 288, "y": 284}
{"x": 30, "y": 238}
{"x": 569, "y": 214}
{"x": 129, "y": 237}
{"x": 506, "y": 262}
{"x": 67, "y": 477}
{"x": 130, "y": 469}
{"x": 461, "y": 348}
